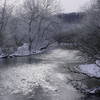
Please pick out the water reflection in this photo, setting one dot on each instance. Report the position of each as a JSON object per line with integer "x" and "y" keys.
{"x": 11, "y": 62}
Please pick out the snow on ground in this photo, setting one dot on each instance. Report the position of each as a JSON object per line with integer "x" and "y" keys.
{"x": 2, "y": 55}
{"x": 22, "y": 50}
{"x": 90, "y": 69}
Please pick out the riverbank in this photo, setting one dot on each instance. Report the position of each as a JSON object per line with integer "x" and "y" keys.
{"x": 24, "y": 51}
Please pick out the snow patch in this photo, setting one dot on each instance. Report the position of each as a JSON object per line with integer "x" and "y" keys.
{"x": 90, "y": 69}
{"x": 93, "y": 90}
{"x": 2, "y": 55}
{"x": 22, "y": 50}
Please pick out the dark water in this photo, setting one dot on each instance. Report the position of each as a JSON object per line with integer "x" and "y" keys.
{"x": 39, "y": 77}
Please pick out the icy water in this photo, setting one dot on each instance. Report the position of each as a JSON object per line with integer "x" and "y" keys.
{"x": 40, "y": 77}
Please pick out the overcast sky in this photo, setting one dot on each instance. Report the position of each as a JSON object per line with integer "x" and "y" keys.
{"x": 73, "y": 5}
{"x": 66, "y": 5}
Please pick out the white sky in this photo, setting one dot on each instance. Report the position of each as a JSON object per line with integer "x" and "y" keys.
{"x": 73, "y": 5}
{"x": 66, "y": 5}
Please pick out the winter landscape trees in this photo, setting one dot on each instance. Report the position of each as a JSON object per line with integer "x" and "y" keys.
{"x": 87, "y": 32}
{"x": 5, "y": 15}
{"x": 37, "y": 23}
{"x": 38, "y": 18}
{"x": 34, "y": 22}
{"x": 91, "y": 31}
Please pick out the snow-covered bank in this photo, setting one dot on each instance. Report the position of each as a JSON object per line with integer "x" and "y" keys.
{"x": 3, "y": 55}
{"x": 21, "y": 51}
{"x": 91, "y": 70}
{"x": 24, "y": 51}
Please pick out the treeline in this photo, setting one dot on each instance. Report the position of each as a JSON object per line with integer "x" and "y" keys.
{"x": 71, "y": 17}
{"x": 32, "y": 22}
{"x": 87, "y": 33}
{"x": 90, "y": 31}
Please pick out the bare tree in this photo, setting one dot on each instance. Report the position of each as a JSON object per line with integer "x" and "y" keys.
{"x": 37, "y": 15}
{"x": 16, "y": 31}
{"x": 90, "y": 32}
{"x": 5, "y": 13}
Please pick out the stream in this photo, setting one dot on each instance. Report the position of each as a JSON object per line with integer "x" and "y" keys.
{"x": 40, "y": 77}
